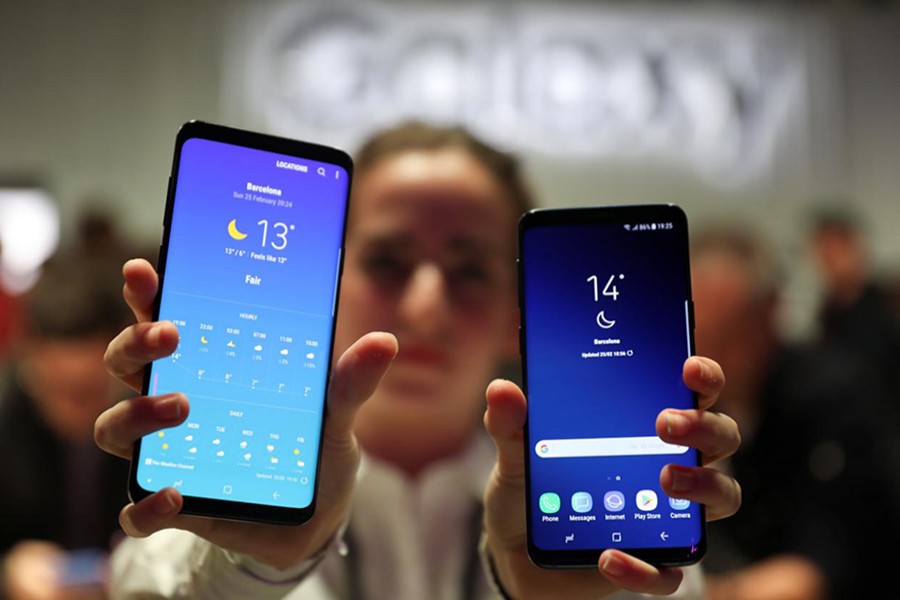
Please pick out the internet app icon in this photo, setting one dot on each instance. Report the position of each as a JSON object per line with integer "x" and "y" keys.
{"x": 614, "y": 501}
{"x": 646, "y": 500}
{"x": 582, "y": 502}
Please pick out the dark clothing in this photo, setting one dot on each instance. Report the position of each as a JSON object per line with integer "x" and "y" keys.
{"x": 52, "y": 491}
{"x": 819, "y": 478}
{"x": 871, "y": 328}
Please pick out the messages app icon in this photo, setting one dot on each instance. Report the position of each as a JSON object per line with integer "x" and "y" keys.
{"x": 549, "y": 503}
{"x": 582, "y": 502}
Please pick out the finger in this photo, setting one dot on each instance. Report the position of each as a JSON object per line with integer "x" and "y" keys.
{"x": 704, "y": 376}
{"x": 715, "y": 435}
{"x": 141, "y": 284}
{"x": 505, "y": 421}
{"x": 720, "y": 493}
{"x": 130, "y": 351}
{"x": 632, "y": 574}
{"x": 118, "y": 427}
{"x": 356, "y": 375}
{"x": 156, "y": 512}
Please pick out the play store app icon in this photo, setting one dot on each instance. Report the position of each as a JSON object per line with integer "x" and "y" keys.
{"x": 646, "y": 500}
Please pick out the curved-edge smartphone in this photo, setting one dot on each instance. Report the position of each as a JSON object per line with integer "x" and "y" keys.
{"x": 607, "y": 323}
{"x": 250, "y": 265}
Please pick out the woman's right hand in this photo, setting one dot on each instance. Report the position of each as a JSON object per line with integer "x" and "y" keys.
{"x": 355, "y": 375}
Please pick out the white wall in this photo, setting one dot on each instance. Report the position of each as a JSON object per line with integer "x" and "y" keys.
{"x": 92, "y": 93}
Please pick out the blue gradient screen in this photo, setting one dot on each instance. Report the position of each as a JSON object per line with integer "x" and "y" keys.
{"x": 607, "y": 328}
{"x": 250, "y": 281}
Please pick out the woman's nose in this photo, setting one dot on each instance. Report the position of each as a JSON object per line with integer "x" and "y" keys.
{"x": 425, "y": 305}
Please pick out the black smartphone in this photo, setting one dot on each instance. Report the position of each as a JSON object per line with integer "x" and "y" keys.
{"x": 606, "y": 326}
{"x": 250, "y": 265}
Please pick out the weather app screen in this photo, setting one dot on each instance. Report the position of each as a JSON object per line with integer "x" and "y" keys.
{"x": 607, "y": 313}
{"x": 250, "y": 281}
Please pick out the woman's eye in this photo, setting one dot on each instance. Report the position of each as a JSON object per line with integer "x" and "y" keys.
{"x": 472, "y": 273}
{"x": 386, "y": 266}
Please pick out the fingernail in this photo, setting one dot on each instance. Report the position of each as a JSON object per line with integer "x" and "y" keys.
{"x": 165, "y": 502}
{"x": 708, "y": 374}
{"x": 613, "y": 566}
{"x": 676, "y": 424}
{"x": 168, "y": 408}
{"x": 152, "y": 336}
{"x": 682, "y": 480}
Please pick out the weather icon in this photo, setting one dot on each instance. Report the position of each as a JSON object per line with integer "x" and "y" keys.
{"x": 283, "y": 352}
{"x": 234, "y": 232}
{"x": 203, "y": 339}
{"x": 603, "y": 322}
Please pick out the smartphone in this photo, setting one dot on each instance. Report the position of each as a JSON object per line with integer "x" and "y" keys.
{"x": 250, "y": 265}
{"x": 606, "y": 325}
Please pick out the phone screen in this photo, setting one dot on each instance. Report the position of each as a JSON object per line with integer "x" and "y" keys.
{"x": 606, "y": 328}
{"x": 250, "y": 267}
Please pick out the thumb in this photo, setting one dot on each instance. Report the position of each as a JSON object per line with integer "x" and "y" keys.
{"x": 504, "y": 421}
{"x": 505, "y": 494}
{"x": 355, "y": 377}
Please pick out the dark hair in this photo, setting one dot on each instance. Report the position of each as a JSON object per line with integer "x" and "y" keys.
{"x": 76, "y": 296}
{"x": 418, "y": 135}
{"x": 749, "y": 249}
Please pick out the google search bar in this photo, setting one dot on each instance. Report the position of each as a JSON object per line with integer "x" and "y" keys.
{"x": 617, "y": 446}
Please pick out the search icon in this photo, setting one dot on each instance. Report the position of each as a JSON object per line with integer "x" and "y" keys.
{"x": 321, "y": 171}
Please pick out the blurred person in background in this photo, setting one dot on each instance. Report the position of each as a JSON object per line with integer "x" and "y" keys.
{"x": 856, "y": 311}
{"x": 61, "y": 495}
{"x": 9, "y": 317}
{"x": 818, "y": 478}
{"x": 430, "y": 258}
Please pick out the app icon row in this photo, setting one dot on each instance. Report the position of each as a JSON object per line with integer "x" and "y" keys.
{"x": 613, "y": 501}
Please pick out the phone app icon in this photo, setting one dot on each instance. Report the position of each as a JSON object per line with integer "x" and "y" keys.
{"x": 679, "y": 503}
{"x": 646, "y": 500}
{"x": 614, "y": 501}
{"x": 549, "y": 503}
{"x": 582, "y": 502}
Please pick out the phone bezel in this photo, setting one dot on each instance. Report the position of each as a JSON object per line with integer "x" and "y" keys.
{"x": 196, "y": 129}
{"x": 622, "y": 214}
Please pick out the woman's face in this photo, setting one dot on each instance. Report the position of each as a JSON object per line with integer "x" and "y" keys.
{"x": 431, "y": 259}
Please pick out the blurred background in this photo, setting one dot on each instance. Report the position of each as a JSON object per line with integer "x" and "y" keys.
{"x": 760, "y": 111}
{"x": 767, "y": 118}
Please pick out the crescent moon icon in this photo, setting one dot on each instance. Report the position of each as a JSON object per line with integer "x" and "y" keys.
{"x": 233, "y": 230}
{"x": 603, "y": 322}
